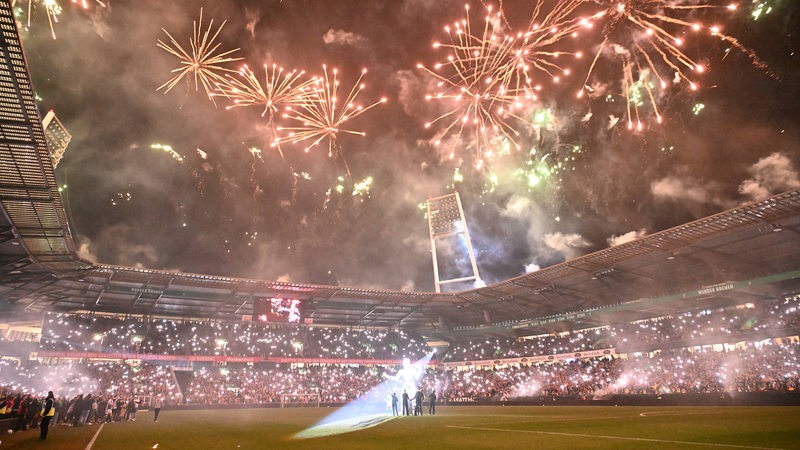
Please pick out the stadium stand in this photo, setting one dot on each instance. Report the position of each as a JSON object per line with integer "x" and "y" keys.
{"x": 708, "y": 307}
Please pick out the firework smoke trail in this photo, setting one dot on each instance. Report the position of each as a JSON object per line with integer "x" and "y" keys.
{"x": 485, "y": 83}
{"x": 645, "y": 35}
{"x": 202, "y": 61}
{"x": 320, "y": 114}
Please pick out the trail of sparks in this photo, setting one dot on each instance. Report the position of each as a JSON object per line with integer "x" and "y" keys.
{"x": 320, "y": 114}
{"x": 547, "y": 30}
{"x": 647, "y": 37}
{"x": 169, "y": 150}
{"x": 85, "y": 3}
{"x": 53, "y": 10}
{"x": 202, "y": 60}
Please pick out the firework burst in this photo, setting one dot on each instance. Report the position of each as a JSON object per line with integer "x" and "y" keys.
{"x": 648, "y": 38}
{"x": 320, "y": 114}
{"x": 481, "y": 85}
{"x": 278, "y": 90}
{"x": 203, "y": 60}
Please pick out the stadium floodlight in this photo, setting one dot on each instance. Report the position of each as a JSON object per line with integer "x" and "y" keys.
{"x": 56, "y": 135}
{"x": 445, "y": 221}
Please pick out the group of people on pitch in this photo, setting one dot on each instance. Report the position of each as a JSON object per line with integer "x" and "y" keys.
{"x": 417, "y": 401}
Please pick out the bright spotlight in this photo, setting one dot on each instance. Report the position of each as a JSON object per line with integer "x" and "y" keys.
{"x": 372, "y": 408}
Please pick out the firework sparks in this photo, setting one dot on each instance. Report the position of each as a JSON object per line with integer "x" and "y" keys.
{"x": 482, "y": 85}
{"x": 760, "y": 9}
{"x": 256, "y": 152}
{"x": 548, "y": 28}
{"x": 458, "y": 177}
{"x": 85, "y": 3}
{"x": 169, "y": 150}
{"x": 120, "y": 198}
{"x": 647, "y": 37}
{"x": 548, "y": 167}
{"x": 361, "y": 189}
{"x": 321, "y": 115}
{"x": 51, "y": 7}
{"x": 203, "y": 60}
{"x": 278, "y": 89}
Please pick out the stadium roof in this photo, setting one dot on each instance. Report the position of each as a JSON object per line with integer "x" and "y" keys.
{"x": 745, "y": 254}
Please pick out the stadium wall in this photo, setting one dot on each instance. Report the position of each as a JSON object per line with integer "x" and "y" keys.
{"x": 710, "y": 399}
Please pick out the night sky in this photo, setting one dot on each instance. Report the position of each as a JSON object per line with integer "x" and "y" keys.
{"x": 227, "y": 210}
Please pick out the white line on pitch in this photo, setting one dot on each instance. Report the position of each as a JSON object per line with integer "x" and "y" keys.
{"x": 94, "y": 438}
{"x": 613, "y": 437}
{"x": 674, "y": 413}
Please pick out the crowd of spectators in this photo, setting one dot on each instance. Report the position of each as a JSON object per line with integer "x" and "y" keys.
{"x": 772, "y": 365}
{"x": 24, "y": 409}
{"x": 754, "y": 367}
{"x": 71, "y": 379}
{"x": 332, "y": 383}
{"x": 697, "y": 327}
{"x": 162, "y": 336}
{"x": 700, "y": 351}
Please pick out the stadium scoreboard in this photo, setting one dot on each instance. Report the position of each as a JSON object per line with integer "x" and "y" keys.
{"x": 277, "y": 310}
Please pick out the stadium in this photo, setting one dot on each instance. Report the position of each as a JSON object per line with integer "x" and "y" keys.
{"x": 685, "y": 337}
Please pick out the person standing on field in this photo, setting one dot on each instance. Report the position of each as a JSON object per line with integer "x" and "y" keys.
{"x": 48, "y": 411}
{"x": 432, "y": 403}
{"x": 418, "y": 397}
{"x": 394, "y": 404}
{"x": 157, "y": 405}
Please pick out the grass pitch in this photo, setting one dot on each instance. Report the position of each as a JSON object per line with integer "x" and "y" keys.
{"x": 454, "y": 427}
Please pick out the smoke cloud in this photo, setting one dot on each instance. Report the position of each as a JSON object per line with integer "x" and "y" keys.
{"x": 770, "y": 175}
{"x": 341, "y": 37}
{"x": 613, "y": 241}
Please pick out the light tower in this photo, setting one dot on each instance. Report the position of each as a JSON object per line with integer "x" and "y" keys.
{"x": 56, "y": 135}
{"x": 446, "y": 220}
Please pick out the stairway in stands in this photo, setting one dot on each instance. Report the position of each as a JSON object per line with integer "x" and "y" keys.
{"x": 183, "y": 377}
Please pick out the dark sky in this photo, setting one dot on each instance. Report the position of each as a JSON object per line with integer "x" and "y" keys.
{"x": 222, "y": 210}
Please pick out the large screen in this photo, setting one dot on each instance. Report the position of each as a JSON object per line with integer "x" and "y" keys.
{"x": 277, "y": 310}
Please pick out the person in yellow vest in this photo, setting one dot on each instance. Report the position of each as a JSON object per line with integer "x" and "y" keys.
{"x": 5, "y": 404}
{"x": 48, "y": 411}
